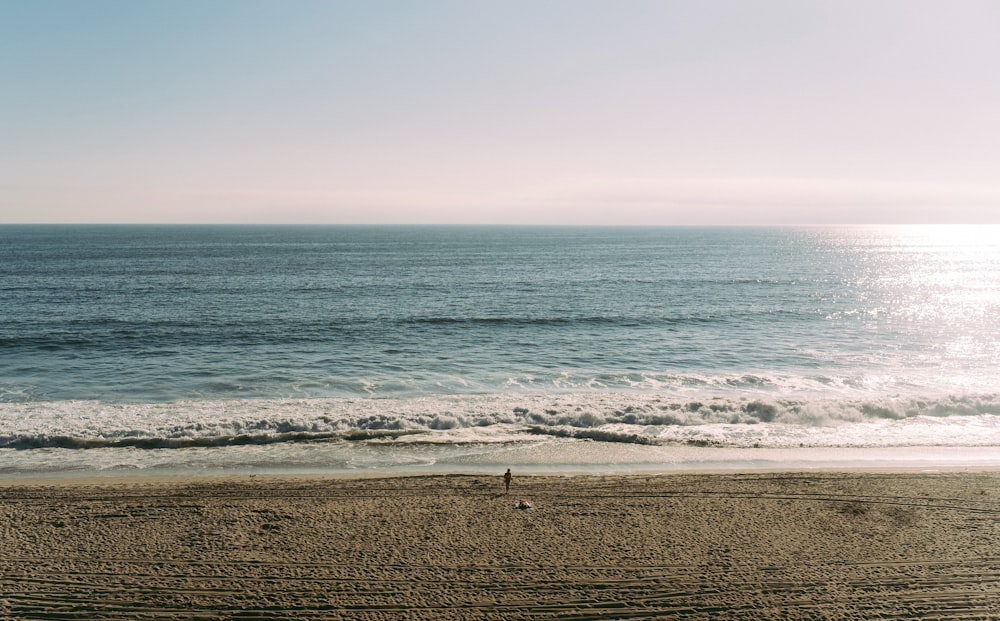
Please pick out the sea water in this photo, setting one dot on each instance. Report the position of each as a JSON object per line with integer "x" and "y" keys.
{"x": 209, "y": 349}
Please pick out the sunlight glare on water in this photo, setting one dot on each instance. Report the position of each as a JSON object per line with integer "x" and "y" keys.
{"x": 938, "y": 284}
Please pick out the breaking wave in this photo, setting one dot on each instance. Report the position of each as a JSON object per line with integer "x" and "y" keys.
{"x": 598, "y": 417}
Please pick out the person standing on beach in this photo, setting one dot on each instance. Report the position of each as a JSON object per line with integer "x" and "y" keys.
{"x": 506, "y": 480}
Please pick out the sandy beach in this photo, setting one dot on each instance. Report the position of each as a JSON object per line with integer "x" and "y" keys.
{"x": 812, "y": 545}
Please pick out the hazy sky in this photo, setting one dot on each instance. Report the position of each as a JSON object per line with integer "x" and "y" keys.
{"x": 505, "y": 111}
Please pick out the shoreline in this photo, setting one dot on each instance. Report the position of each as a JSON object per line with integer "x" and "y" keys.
{"x": 555, "y": 457}
{"x": 114, "y": 479}
{"x": 798, "y": 544}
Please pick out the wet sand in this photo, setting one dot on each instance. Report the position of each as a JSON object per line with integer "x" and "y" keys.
{"x": 813, "y": 545}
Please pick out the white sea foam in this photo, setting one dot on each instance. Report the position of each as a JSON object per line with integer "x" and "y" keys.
{"x": 587, "y": 432}
{"x": 749, "y": 419}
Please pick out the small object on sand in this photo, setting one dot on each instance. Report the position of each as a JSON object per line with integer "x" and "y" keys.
{"x": 523, "y": 505}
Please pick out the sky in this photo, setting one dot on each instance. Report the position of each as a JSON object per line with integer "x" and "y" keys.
{"x": 636, "y": 112}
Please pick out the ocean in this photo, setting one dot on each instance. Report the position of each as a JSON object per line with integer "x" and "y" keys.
{"x": 388, "y": 349}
